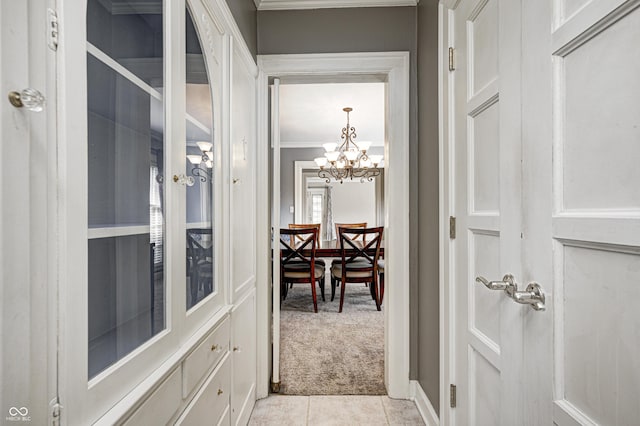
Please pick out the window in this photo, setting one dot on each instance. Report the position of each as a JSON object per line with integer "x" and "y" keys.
{"x": 316, "y": 208}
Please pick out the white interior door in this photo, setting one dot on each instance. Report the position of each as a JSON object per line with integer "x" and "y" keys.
{"x": 581, "y": 115}
{"x": 275, "y": 231}
{"x": 488, "y": 324}
{"x": 546, "y": 182}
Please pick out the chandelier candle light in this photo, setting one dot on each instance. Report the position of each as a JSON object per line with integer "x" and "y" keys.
{"x": 350, "y": 159}
{"x": 206, "y": 158}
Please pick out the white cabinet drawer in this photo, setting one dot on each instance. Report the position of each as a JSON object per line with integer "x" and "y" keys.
{"x": 161, "y": 405}
{"x": 211, "y": 401}
{"x": 205, "y": 357}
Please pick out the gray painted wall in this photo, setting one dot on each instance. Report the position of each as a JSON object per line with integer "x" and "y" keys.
{"x": 389, "y": 29}
{"x": 369, "y": 29}
{"x": 245, "y": 14}
{"x": 287, "y": 158}
{"x": 428, "y": 290}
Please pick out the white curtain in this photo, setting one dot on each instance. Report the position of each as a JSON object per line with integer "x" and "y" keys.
{"x": 309, "y": 208}
{"x": 327, "y": 220}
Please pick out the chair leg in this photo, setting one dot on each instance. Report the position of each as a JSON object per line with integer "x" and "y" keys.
{"x": 372, "y": 291}
{"x": 374, "y": 284}
{"x": 315, "y": 299}
{"x": 381, "y": 287}
{"x": 322, "y": 288}
{"x": 195, "y": 283}
{"x": 344, "y": 284}
{"x": 333, "y": 288}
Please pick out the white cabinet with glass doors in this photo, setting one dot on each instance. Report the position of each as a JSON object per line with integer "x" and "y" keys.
{"x": 146, "y": 159}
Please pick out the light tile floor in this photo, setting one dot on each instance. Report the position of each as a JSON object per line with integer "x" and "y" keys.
{"x": 334, "y": 410}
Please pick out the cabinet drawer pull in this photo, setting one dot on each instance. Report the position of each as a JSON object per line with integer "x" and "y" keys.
{"x": 215, "y": 348}
{"x": 236, "y": 348}
{"x": 220, "y": 392}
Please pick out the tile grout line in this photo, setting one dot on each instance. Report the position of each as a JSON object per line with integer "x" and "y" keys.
{"x": 384, "y": 410}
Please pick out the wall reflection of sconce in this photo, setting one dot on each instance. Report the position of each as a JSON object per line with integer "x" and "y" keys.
{"x": 206, "y": 158}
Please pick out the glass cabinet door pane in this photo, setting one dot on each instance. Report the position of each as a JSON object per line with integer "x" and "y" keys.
{"x": 130, "y": 38}
{"x": 200, "y": 158}
{"x": 125, "y": 116}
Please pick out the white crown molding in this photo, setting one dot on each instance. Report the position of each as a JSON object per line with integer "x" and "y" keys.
{"x": 329, "y": 4}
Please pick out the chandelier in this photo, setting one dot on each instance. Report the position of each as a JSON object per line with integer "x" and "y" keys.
{"x": 350, "y": 160}
{"x": 205, "y": 158}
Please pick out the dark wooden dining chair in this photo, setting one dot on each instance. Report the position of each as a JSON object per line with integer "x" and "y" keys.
{"x": 359, "y": 225}
{"x": 359, "y": 261}
{"x": 304, "y": 226}
{"x": 297, "y": 239}
{"x": 200, "y": 260}
{"x": 298, "y": 261}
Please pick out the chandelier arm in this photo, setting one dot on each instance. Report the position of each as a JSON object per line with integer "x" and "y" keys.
{"x": 198, "y": 172}
{"x": 325, "y": 174}
{"x": 367, "y": 173}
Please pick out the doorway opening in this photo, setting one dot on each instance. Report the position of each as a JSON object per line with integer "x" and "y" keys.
{"x": 392, "y": 70}
{"x": 337, "y": 350}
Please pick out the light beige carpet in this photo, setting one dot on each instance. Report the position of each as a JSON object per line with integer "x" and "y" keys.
{"x": 331, "y": 353}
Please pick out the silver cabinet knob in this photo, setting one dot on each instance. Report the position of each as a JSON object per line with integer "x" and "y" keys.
{"x": 30, "y": 99}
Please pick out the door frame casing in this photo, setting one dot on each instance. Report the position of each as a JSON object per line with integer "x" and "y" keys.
{"x": 446, "y": 162}
{"x": 390, "y": 67}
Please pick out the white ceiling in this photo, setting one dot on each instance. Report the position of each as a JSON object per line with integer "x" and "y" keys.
{"x": 325, "y": 4}
{"x": 311, "y": 114}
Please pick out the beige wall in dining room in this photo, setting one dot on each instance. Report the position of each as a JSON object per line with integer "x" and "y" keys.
{"x": 412, "y": 29}
{"x": 354, "y": 202}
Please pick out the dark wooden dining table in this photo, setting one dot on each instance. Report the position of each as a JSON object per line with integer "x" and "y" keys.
{"x": 331, "y": 248}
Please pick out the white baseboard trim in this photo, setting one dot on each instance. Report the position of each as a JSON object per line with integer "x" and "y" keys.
{"x": 424, "y": 405}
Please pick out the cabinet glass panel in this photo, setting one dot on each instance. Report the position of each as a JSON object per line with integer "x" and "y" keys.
{"x": 130, "y": 33}
{"x": 125, "y": 116}
{"x": 200, "y": 161}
